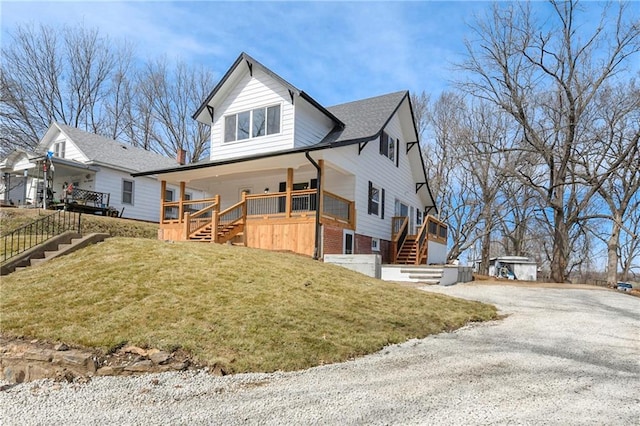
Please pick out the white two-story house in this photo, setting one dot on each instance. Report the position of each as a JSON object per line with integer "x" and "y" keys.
{"x": 287, "y": 173}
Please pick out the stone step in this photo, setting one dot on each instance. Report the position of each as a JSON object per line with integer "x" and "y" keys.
{"x": 35, "y": 262}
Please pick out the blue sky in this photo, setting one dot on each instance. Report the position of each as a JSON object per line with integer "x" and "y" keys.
{"x": 335, "y": 51}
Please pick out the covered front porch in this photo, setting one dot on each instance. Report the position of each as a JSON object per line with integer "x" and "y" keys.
{"x": 271, "y": 204}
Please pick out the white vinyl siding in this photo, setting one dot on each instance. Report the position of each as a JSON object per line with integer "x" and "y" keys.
{"x": 250, "y": 93}
{"x": 370, "y": 166}
{"x": 311, "y": 124}
{"x": 146, "y": 193}
{"x": 71, "y": 151}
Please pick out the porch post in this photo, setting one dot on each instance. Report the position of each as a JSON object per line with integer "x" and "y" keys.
{"x": 215, "y": 220}
{"x": 163, "y": 189}
{"x": 183, "y": 186}
{"x": 289, "y": 189}
{"x": 244, "y": 218}
{"x": 320, "y": 202}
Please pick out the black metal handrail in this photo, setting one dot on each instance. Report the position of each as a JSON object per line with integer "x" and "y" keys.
{"x": 30, "y": 235}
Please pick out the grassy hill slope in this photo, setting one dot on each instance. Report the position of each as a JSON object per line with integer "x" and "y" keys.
{"x": 242, "y": 309}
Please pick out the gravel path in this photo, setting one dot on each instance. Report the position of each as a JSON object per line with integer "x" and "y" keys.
{"x": 561, "y": 356}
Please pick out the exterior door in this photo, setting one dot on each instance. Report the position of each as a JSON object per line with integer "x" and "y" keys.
{"x": 348, "y": 243}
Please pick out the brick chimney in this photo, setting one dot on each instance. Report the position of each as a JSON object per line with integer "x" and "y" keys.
{"x": 181, "y": 156}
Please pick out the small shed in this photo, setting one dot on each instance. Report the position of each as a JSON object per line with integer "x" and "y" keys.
{"x": 513, "y": 267}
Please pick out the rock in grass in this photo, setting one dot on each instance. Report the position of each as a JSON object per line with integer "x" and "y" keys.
{"x": 160, "y": 357}
{"x": 61, "y": 347}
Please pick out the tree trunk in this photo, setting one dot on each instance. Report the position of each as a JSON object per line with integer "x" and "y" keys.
{"x": 612, "y": 251}
{"x": 485, "y": 252}
{"x": 560, "y": 242}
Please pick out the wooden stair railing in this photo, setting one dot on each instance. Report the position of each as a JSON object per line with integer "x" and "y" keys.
{"x": 197, "y": 222}
{"x": 399, "y": 232}
{"x": 231, "y": 221}
{"x": 421, "y": 242}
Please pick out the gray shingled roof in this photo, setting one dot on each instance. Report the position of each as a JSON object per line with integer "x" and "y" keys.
{"x": 365, "y": 118}
{"x": 117, "y": 154}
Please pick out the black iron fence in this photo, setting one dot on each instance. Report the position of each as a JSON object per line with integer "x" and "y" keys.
{"x": 30, "y": 235}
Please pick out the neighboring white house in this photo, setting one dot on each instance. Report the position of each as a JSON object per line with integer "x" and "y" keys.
{"x": 274, "y": 149}
{"x": 88, "y": 162}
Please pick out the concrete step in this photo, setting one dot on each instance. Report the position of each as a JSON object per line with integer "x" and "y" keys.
{"x": 36, "y": 262}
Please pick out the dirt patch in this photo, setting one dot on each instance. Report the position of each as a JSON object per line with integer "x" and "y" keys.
{"x": 23, "y": 360}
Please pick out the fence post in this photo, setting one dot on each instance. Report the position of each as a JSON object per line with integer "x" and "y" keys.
{"x": 80, "y": 223}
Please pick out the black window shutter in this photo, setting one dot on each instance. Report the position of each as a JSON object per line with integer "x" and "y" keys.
{"x": 382, "y": 205}
{"x": 397, "y": 152}
{"x": 383, "y": 140}
{"x": 313, "y": 184}
{"x": 370, "y": 193}
{"x": 282, "y": 187}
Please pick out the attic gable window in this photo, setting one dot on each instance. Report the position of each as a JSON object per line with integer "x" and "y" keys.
{"x": 388, "y": 146}
{"x": 252, "y": 124}
{"x": 59, "y": 148}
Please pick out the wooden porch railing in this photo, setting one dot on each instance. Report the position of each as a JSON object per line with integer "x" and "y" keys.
{"x": 437, "y": 230}
{"x": 422, "y": 243}
{"x": 173, "y": 211}
{"x": 399, "y": 232}
{"x": 282, "y": 204}
{"x": 194, "y": 215}
{"x": 338, "y": 208}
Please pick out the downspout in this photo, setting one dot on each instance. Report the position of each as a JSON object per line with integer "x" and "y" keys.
{"x": 316, "y": 248}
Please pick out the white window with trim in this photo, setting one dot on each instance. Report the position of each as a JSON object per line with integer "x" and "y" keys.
{"x": 59, "y": 149}
{"x": 252, "y": 124}
{"x": 375, "y": 244}
{"x": 127, "y": 191}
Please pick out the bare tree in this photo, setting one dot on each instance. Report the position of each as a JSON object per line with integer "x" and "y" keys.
{"x": 420, "y": 103}
{"x": 546, "y": 77}
{"x": 464, "y": 169}
{"x": 172, "y": 96}
{"x": 616, "y": 131}
{"x": 629, "y": 247}
{"x": 76, "y": 76}
{"x": 49, "y": 75}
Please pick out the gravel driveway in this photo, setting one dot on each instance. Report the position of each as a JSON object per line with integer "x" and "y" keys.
{"x": 561, "y": 356}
